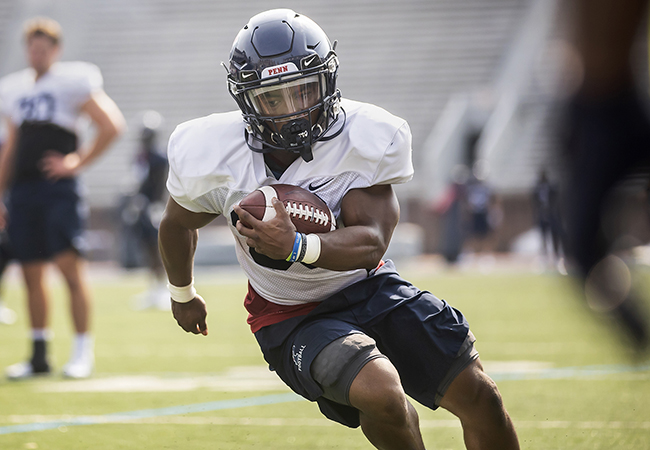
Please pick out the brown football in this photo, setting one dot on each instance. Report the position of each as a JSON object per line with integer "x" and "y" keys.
{"x": 308, "y": 212}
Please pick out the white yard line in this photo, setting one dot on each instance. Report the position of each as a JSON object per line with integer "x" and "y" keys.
{"x": 260, "y": 378}
{"x": 303, "y": 422}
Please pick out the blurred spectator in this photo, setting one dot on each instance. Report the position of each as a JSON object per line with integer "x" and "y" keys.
{"x": 450, "y": 207}
{"x": 484, "y": 212}
{"x": 39, "y": 165}
{"x": 547, "y": 214}
{"x": 607, "y": 137}
{"x": 141, "y": 213}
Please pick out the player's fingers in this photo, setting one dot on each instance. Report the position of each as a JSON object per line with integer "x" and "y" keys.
{"x": 280, "y": 209}
{"x": 44, "y": 164}
{"x": 182, "y": 325}
{"x": 203, "y": 327}
{"x": 250, "y": 234}
{"x": 245, "y": 217}
{"x": 244, "y": 230}
{"x": 195, "y": 324}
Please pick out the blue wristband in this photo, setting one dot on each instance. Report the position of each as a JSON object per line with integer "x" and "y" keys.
{"x": 293, "y": 257}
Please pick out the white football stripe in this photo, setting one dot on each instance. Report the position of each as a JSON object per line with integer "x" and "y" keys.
{"x": 269, "y": 194}
{"x": 332, "y": 221}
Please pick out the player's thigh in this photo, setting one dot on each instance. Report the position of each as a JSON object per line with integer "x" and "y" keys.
{"x": 66, "y": 218}
{"x": 33, "y": 273}
{"x": 27, "y": 229}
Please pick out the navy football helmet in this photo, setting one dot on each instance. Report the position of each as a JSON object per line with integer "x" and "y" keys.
{"x": 282, "y": 74}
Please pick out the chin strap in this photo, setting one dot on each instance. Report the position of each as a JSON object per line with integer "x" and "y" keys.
{"x": 306, "y": 153}
{"x": 296, "y": 134}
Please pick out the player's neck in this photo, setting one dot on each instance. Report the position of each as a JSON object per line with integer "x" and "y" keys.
{"x": 279, "y": 160}
{"x": 41, "y": 72}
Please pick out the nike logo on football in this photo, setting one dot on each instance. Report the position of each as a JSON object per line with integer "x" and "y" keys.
{"x": 313, "y": 187}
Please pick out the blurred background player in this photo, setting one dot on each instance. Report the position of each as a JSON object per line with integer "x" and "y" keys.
{"x": 40, "y": 161}
{"x": 606, "y": 138}
{"x": 140, "y": 215}
{"x": 546, "y": 209}
{"x": 484, "y": 214}
{"x": 452, "y": 208}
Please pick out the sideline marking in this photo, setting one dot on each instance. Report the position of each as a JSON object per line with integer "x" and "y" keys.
{"x": 570, "y": 372}
{"x": 530, "y": 374}
{"x": 150, "y": 413}
{"x": 318, "y": 422}
{"x": 259, "y": 378}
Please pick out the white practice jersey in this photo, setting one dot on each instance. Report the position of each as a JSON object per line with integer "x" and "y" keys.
{"x": 212, "y": 169}
{"x": 56, "y": 97}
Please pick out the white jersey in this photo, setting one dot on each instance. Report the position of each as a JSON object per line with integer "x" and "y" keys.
{"x": 212, "y": 169}
{"x": 56, "y": 97}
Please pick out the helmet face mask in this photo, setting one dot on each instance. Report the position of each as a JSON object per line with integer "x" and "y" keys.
{"x": 282, "y": 74}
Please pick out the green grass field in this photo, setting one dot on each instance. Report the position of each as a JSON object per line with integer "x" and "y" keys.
{"x": 564, "y": 378}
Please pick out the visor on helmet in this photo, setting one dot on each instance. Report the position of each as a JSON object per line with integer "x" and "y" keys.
{"x": 285, "y": 99}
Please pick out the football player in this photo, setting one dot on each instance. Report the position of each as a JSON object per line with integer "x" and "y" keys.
{"x": 335, "y": 322}
{"x": 142, "y": 210}
{"x": 40, "y": 161}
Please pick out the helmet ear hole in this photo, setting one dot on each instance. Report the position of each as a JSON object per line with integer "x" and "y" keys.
{"x": 317, "y": 130}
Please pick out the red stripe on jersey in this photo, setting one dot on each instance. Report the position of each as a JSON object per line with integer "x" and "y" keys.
{"x": 262, "y": 312}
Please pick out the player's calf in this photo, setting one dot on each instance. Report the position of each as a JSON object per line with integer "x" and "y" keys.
{"x": 475, "y": 399}
{"x": 352, "y": 371}
{"x": 388, "y": 420}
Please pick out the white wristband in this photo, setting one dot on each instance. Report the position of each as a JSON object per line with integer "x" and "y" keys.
{"x": 182, "y": 294}
{"x": 312, "y": 253}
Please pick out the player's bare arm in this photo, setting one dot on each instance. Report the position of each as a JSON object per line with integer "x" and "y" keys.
{"x": 7, "y": 153}
{"x": 177, "y": 238}
{"x": 110, "y": 123}
{"x": 370, "y": 216}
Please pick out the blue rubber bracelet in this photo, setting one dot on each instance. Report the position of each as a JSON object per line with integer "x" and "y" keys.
{"x": 296, "y": 248}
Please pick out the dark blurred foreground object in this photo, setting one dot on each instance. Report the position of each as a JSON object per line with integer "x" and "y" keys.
{"x": 605, "y": 140}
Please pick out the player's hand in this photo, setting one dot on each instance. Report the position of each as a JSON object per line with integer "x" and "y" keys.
{"x": 4, "y": 216}
{"x": 273, "y": 238}
{"x": 55, "y": 165}
{"x": 191, "y": 316}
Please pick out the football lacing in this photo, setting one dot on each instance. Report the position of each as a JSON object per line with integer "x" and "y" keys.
{"x": 308, "y": 213}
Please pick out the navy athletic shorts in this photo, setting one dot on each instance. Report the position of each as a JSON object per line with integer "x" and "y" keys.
{"x": 45, "y": 218}
{"x": 420, "y": 334}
